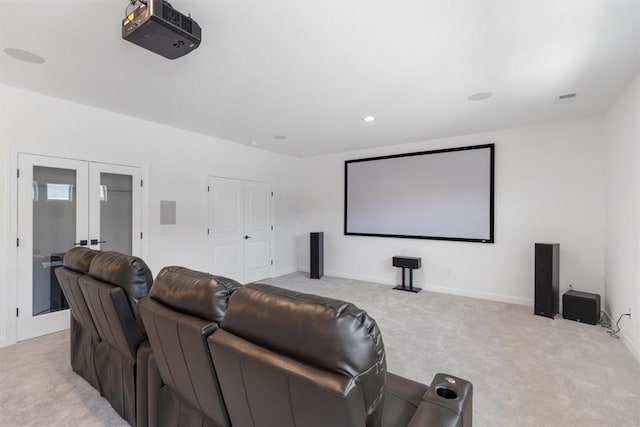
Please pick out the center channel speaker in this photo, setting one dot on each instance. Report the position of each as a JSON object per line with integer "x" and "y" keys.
{"x": 407, "y": 262}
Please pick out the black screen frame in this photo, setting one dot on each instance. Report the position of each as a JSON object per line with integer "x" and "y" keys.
{"x": 422, "y": 153}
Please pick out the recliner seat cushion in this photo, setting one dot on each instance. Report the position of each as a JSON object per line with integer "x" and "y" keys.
{"x": 127, "y": 272}
{"x": 323, "y": 332}
{"x": 79, "y": 259}
{"x": 192, "y": 292}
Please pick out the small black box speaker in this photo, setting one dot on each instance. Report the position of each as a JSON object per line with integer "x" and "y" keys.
{"x": 407, "y": 262}
{"x": 581, "y": 306}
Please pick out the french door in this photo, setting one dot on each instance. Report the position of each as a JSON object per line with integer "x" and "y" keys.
{"x": 63, "y": 203}
{"x": 240, "y": 229}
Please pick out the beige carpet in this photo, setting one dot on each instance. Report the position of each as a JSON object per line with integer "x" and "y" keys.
{"x": 526, "y": 370}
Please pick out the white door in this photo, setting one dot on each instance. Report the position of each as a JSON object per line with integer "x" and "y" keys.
{"x": 226, "y": 228}
{"x": 64, "y": 203}
{"x": 52, "y": 218}
{"x": 257, "y": 231}
{"x": 239, "y": 244}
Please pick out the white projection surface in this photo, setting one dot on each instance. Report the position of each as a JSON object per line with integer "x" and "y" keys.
{"x": 444, "y": 194}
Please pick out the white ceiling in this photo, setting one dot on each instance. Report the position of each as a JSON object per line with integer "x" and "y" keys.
{"x": 313, "y": 70}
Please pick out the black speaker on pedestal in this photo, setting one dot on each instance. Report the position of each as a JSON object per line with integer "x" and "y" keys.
{"x": 317, "y": 255}
{"x": 547, "y": 279}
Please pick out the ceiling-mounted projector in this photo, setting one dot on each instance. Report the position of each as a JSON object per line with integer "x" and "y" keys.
{"x": 157, "y": 26}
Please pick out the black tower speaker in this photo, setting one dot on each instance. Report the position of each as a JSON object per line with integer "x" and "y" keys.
{"x": 547, "y": 279}
{"x": 317, "y": 255}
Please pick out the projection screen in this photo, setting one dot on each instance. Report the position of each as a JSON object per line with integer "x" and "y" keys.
{"x": 441, "y": 194}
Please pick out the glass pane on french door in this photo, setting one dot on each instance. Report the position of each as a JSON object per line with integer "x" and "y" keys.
{"x": 116, "y": 222}
{"x": 114, "y": 208}
{"x": 54, "y": 225}
{"x": 52, "y": 218}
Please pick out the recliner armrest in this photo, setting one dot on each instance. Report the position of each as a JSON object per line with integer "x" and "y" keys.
{"x": 447, "y": 403}
{"x": 142, "y": 395}
{"x": 154, "y": 384}
{"x": 430, "y": 414}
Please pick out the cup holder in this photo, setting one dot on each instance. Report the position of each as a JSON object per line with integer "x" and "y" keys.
{"x": 446, "y": 393}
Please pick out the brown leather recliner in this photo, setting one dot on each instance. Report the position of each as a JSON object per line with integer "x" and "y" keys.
{"x": 84, "y": 337}
{"x": 289, "y": 359}
{"x": 111, "y": 288}
{"x": 183, "y": 309}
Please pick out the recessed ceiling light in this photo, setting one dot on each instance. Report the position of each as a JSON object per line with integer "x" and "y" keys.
{"x": 279, "y": 137}
{"x": 369, "y": 119}
{"x": 480, "y": 96}
{"x": 254, "y": 142}
{"x": 24, "y": 55}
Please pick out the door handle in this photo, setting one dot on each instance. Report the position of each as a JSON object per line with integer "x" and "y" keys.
{"x": 247, "y": 237}
{"x": 81, "y": 243}
{"x": 95, "y": 241}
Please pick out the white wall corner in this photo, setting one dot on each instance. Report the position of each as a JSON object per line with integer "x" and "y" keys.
{"x": 630, "y": 345}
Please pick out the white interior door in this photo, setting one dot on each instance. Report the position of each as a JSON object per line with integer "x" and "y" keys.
{"x": 114, "y": 208}
{"x": 239, "y": 243}
{"x": 257, "y": 229}
{"x": 52, "y": 218}
{"x": 226, "y": 237}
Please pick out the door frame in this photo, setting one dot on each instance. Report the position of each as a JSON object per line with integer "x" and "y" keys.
{"x": 11, "y": 273}
{"x": 205, "y": 220}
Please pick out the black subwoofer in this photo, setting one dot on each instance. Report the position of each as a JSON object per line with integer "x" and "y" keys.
{"x": 581, "y": 307}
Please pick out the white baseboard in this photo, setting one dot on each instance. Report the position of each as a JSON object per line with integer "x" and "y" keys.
{"x": 284, "y": 271}
{"x": 440, "y": 289}
{"x": 480, "y": 295}
{"x": 630, "y": 345}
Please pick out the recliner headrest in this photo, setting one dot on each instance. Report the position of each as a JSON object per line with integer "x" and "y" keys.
{"x": 324, "y": 332}
{"x": 79, "y": 259}
{"x": 193, "y": 292}
{"x": 125, "y": 271}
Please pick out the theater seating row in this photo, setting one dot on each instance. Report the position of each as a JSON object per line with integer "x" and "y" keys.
{"x": 192, "y": 349}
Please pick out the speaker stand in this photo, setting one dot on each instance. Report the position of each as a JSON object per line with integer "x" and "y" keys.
{"x": 403, "y": 286}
